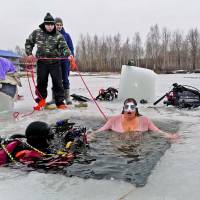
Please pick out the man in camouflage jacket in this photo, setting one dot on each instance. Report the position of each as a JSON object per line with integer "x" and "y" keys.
{"x": 50, "y": 44}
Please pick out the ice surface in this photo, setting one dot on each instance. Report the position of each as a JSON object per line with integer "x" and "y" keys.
{"x": 6, "y": 102}
{"x": 175, "y": 177}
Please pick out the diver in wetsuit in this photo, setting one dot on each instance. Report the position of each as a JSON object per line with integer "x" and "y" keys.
{"x": 36, "y": 144}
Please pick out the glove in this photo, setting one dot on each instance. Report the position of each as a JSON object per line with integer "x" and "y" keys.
{"x": 72, "y": 62}
{"x": 30, "y": 60}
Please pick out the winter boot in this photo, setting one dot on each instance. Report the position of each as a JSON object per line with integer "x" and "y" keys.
{"x": 52, "y": 100}
{"x": 61, "y": 106}
{"x": 67, "y": 97}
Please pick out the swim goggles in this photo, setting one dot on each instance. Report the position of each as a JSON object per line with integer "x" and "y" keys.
{"x": 130, "y": 107}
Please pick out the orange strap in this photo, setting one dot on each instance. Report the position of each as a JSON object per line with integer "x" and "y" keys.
{"x": 21, "y": 153}
{"x": 27, "y": 153}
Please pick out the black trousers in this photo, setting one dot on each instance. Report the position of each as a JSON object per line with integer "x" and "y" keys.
{"x": 44, "y": 68}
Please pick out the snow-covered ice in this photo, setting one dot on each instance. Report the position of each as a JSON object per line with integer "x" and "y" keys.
{"x": 175, "y": 177}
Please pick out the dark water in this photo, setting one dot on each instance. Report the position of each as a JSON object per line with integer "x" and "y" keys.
{"x": 130, "y": 158}
{"x": 125, "y": 157}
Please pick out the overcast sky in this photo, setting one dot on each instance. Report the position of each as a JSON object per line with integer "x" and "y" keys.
{"x": 102, "y": 17}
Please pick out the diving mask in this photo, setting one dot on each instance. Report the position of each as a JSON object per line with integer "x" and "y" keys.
{"x": 130, "y": 107}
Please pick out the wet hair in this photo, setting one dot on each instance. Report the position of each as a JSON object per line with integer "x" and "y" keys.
{"x": 135, "y": 103}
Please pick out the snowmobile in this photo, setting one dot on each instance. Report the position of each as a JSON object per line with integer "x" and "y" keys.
{"x": 182, "y": 96}
{"x": 107, "y": 95}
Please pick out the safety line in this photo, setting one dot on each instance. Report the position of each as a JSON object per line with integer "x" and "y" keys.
{"x": 76, "y": 67}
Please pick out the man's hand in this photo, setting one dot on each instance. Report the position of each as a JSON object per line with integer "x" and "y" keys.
{"x": 72, "y": 62}
{"x": 30, "y": 60}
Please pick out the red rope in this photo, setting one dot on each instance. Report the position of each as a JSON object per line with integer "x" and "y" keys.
{"x": 91, "y": 94}
{"x": 31, "y": 70}
{"x": 17, "y": 114}
{"x": 40, "y": 58}
{"x": 36, "y": 90}
{"x": 29, "y": 81}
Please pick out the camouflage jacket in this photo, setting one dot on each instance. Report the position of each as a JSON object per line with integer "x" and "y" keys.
{"x": 48, "y": 45}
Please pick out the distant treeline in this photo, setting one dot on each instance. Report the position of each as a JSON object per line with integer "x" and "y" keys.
{"x": 162, "y": 51}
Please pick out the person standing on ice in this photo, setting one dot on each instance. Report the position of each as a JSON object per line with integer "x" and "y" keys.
{"x": 50, "y": 44}
{"x": 65, "y": 64}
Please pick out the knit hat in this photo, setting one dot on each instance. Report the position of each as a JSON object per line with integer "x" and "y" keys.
{"x": 58, "y": 20}
{"x": 49, "y": 19}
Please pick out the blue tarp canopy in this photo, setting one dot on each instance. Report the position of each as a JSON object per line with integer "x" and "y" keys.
{"x": 8, "y": 54}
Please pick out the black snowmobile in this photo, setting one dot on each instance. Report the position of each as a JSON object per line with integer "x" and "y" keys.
{"x": 182, "y": 96}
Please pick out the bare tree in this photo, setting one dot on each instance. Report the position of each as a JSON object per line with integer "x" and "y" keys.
{"x": 177, "y": 40}
{"x": 117, "y": 50}
{"x": 126, "y": 51}
{"x": 193, "y": 38}
{"x": 83, "y": 52}
{"x": 153, "y": 45}
{"x": 148, "y": 53}
{"x": 96, "y": 52}
{"x": 165, "y": 38}
{"x": 110, "y": 53}
{"x": 162, "y": 52}
{"x": 185, "y": 55}
{"x": 137, "y": 48}
{"x": 90, "y": 52}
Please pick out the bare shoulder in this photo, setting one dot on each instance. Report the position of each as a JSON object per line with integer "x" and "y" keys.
{"x": 142, "y": 117}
